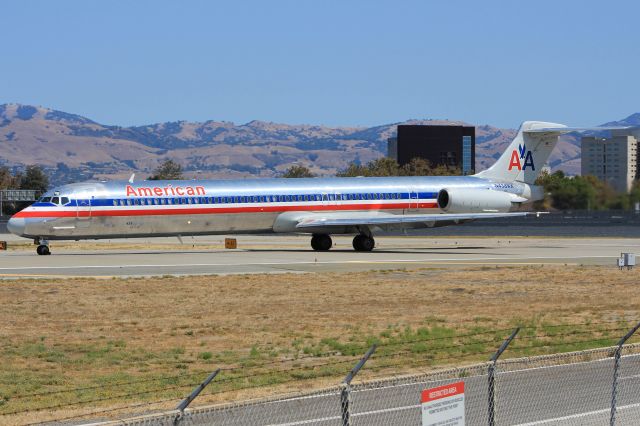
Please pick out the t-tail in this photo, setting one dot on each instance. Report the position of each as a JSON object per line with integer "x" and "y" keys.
{"x": 527, "y": 153}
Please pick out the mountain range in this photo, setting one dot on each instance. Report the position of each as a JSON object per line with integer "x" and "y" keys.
{"x": 71, "y": 147}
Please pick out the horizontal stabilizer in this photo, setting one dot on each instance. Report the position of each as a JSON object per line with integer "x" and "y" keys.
{"x": 563, "y": 130}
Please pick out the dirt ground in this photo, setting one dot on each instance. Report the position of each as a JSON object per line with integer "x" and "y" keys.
{"x": 123, "y": 341}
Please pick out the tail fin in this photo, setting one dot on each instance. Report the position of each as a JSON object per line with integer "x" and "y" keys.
{"x": 527, "y": 153}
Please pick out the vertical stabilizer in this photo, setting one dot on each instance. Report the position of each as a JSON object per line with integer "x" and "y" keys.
{"x": 527, "y": 153}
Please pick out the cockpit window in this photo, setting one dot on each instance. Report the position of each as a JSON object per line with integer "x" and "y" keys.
{"x": 64, "y": 200}
{"x": 55, "y": 200}
{"x": 45, "y": 199}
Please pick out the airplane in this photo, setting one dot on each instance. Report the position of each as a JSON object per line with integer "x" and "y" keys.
{"x": 321, "y": 207}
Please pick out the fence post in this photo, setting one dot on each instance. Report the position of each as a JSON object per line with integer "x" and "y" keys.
{"x": 491, "y": 375}
{"x": 616, "y": 365}
{"x": 194, "y": 394}
{"x": 345, "y": 387}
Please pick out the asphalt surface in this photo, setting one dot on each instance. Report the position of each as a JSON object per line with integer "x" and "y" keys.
{"x": 280, "y": 254}
{"x": 570, "y": 394}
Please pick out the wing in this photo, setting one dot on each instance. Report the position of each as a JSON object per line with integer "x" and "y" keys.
{"x": 384, "y": 220}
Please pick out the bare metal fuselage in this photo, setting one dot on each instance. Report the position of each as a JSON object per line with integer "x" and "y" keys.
{"x": 168, "y": 208}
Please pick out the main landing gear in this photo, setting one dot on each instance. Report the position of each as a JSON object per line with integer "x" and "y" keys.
{"x": 321, "y": 242}
{"x": 43, "y": 247}
{"x": 361, "y": 242}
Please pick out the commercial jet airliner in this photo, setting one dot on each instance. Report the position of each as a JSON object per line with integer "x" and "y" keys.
{"x": 318, "y": 206}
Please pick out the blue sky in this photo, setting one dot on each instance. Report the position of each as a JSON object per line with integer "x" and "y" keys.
{"x": 355, "y": 63}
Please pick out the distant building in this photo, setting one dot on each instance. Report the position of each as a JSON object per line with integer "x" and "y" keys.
{"x": 453, "y": 146}
{"x": 392, "y": 148}
{"x": 614, "y": 159}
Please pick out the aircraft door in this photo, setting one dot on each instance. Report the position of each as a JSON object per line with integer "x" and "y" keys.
{"x": 83, "y": 212}
{"x": 413, "y": 201}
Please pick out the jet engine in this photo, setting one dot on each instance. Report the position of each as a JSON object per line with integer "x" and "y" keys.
{"x": 466, "y": 200}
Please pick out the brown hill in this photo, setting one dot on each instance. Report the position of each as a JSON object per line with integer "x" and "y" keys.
{"x": 73, "y": 147}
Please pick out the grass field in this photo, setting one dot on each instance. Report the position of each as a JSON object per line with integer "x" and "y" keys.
{"x": 76, "y": 346}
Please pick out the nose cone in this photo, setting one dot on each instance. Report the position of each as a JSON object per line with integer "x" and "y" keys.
{"x": 16, "y": 225}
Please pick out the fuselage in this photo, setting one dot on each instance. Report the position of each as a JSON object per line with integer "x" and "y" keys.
{"x": 119, "y": 209}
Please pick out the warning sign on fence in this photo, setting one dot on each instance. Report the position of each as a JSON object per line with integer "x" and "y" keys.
{"x": 444, "y": 405}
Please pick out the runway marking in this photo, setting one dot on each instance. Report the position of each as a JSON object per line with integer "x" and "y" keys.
{"x": 97, "y": 277}
{"x": 637, "y": 376}
{"x": 305, "y": 262}
{"x": 364, "y": 413}
{"x": 577, "y": 416}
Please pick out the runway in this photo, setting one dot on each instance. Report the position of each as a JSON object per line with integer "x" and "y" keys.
{"x": 291, "y": 254}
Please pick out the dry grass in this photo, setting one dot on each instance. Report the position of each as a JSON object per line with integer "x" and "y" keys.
{"x": 160, "y": 336}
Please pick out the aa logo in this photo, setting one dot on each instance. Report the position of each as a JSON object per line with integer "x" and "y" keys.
{"x": 521, "y": 159}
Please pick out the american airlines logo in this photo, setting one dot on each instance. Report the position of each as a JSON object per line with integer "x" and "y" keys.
{"x": 164, "y": 191}
{"x": 517, "y": 157}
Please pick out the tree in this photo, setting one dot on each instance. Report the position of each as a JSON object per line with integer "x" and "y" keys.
{"x": 417, "y": 167}
{"x": 297, "y": 171}
{"x": 389, "y": 167}
{"x": 579, "y": 192}
{"x": 354, "y": 170}
{"x": 34, "y": 178}
{"x": 444, "y": 170}
{"x": 7, "y": 179}
{"x": 383, "y": 166}
{"x": 168, "y": 170}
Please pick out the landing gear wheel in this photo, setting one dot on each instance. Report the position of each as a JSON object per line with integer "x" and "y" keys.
{"x": 363, "y": 243}
{"x": 43, "y": 250}
{"x": 321, "y": 242}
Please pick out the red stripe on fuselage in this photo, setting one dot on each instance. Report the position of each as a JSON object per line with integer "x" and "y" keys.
{"x": 163, "y": 211}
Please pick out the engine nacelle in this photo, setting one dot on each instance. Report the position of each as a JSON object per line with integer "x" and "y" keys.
{"x": 463, "y": 200}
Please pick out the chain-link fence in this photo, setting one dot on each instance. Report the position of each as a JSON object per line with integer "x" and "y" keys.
{"x": 574, "y": 388}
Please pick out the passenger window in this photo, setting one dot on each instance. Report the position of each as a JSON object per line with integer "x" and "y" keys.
{"x": 115, "y": 202}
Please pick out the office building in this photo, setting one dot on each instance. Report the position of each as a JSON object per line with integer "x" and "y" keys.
{"x": 614, "y": 159}
{"x": 453, "y": 146}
